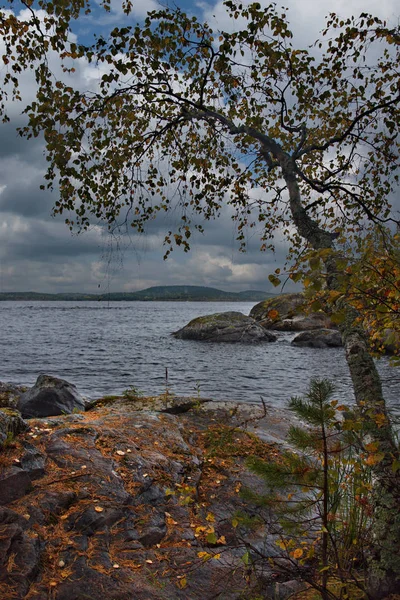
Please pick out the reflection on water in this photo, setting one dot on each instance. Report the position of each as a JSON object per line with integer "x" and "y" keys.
{"x": 104, "y": 348}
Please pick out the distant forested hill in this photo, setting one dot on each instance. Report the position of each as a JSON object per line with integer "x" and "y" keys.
{"x": 163, "y": 292}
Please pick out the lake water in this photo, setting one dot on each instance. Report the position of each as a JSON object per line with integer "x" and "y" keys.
{"x": 105, "y": 348}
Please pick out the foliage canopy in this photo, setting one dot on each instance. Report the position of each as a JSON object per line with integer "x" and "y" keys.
{"x": 188, "y": 118}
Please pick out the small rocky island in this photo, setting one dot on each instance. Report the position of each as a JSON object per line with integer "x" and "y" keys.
{"x": 269, "y": 317}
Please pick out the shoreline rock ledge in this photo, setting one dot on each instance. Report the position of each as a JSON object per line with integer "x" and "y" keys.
{"x": 124, "y": 501}
{"x": 227, "y": 327}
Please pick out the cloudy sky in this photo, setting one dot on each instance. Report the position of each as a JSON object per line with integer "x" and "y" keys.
{"x": 37, "y": 251}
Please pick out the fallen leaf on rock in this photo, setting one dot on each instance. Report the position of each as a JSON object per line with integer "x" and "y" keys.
{"x": 182, "y": 581}
{"x": 210, "y": 517}
{"x": 204, "y": 555}
{"x": 221, "y": 540}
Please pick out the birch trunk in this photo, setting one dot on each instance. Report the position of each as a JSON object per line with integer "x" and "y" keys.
{"x": 384, "y": 576}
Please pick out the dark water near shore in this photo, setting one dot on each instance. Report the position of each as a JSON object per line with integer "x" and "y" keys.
{"x": 105, "y": 348}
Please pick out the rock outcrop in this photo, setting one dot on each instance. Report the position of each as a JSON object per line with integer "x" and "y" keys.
{"x": 225, "y": 327}
{"x": 117, "y": 504}
{"x": 50, "y": 396}
{"x": 11, "y": 424}
{"x": 10, "y": 394}
{"x": 318, "y": 338}
{"x": 286, "y": 313}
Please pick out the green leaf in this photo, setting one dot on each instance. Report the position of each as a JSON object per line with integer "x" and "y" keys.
{"x": 211, "y": 538}
{"x": 296, "y": 276}
{"x": 316, "y": 305}
{"x": 395, "y": 465}
{"x": 314, "y": 263}
{"x": 274, "y": 280}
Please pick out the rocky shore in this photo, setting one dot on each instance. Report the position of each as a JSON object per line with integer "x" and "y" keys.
{"x": 287, "y": 312}
{"x": 136, "y": 498}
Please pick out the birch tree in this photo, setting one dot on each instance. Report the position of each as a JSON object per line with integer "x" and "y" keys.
{"x": 191, "y": 119}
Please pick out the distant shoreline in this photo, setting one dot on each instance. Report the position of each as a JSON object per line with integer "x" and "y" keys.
{"x": 126, "y": 300}
{"x": 153, "y": 294}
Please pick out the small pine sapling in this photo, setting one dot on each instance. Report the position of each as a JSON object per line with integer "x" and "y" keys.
{"x": 320, "y": 514}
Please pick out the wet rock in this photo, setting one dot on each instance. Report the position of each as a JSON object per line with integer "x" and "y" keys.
{"x": 153, "y": 536}
{"x": 50, "y": 396}
{"x": 32, "y": 461}
{"x": 10, "y": 394}
{"x": 55, "y": 503}
{"x": 83, "y": 460}
{"x": 11, "y": 424}
{"x": 19, "y": 555}
{"x": 90, "y": 521}
{"x": 225, "y": 327}
{"x": 318, "y": 338}
{"x": 286, "y": 313}
{"x": 14, "y": 483}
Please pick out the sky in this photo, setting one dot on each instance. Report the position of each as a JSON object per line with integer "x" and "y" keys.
{"x": 38, "y": 252}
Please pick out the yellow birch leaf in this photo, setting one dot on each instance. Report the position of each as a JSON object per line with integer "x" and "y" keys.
{"x": 204, "y": 555}
{"x": 210, "y": 517}
{"x": 374, "y": 459}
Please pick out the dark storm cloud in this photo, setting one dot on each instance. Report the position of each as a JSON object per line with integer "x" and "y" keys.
{"x": 44, "y": 240}
{"x": 23, "y": 197}
{"x": 12, "y": 144}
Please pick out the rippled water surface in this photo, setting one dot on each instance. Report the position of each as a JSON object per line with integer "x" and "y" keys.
{"x": 105, "y": 348}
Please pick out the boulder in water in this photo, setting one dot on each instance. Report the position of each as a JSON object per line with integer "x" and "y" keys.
{"x": 50, "y": 396}
{"x": 318, "y": 338}
{"x": 225, "y": 327}
{"x": 286, "y": 313}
